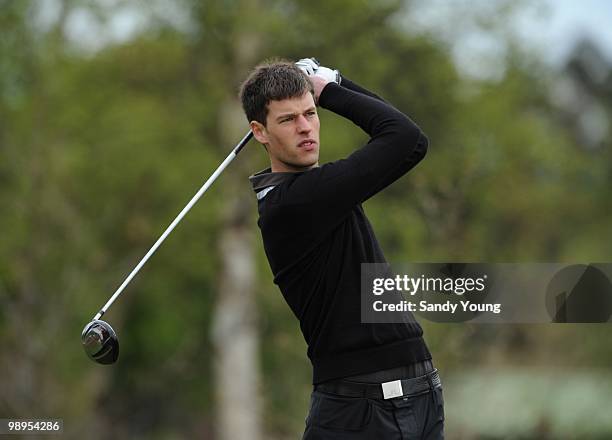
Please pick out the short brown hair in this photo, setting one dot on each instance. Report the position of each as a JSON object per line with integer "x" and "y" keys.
{"x": 272, "y": 80}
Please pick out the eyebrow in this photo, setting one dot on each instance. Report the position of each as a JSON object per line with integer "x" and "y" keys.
{"x": 286, "y": 115}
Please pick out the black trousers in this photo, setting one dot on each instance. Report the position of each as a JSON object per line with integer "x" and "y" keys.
{"x": 337, "y": 417}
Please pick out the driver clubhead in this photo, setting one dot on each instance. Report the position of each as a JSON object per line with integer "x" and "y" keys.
{"x": 100, "y": 342}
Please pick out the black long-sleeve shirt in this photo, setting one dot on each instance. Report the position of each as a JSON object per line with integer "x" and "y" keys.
{"x": 316, "y": 235}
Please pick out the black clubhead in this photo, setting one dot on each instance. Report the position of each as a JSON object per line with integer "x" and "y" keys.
{"x": 100, "y": 342}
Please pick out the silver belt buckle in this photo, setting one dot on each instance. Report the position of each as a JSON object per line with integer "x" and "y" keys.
{"x": 392, "y": 389}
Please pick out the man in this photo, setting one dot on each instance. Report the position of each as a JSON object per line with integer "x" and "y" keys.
{"x": 316, "y": 236}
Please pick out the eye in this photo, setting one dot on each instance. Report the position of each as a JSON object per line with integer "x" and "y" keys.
{"x": 311, "y": 113}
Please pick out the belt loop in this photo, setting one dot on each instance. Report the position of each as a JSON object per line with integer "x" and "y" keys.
{"x": 430, "y": 380}
{"x": 432, "y": 387}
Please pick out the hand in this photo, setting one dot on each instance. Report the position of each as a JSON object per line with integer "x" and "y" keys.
{"x": 329, "y": 74}
{"x": 310, "y": 66}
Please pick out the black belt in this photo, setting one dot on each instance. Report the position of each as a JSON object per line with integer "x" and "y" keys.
{"x": 386, "y": 390}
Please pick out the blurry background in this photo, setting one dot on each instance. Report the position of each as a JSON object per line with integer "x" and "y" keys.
{"x": 112, "y": 114}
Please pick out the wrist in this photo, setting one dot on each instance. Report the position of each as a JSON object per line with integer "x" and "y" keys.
{"x": 328, "y": 74}
{"x": 329, "y": 93}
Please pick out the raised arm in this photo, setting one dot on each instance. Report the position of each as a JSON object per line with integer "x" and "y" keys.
{"x": 396, "y": 145}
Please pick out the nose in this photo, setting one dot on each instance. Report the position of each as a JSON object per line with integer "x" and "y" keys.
{"x": 303, "y": 124}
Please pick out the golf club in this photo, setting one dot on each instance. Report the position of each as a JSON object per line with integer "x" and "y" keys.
{"x": 98, "y": 337}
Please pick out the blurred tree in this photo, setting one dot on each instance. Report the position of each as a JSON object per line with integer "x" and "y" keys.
{"x": 235, "y": 333}
{"x": 99, "y": 151}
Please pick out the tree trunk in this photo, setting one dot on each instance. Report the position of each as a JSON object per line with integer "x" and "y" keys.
{"x": 235, "y": 331}
{"x": 236, "y": 363}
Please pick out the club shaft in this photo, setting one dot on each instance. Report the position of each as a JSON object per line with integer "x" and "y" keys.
{"x": 176, "y": 221}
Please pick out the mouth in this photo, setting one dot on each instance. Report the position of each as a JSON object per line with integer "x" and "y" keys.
{"x": 307, "y": 144}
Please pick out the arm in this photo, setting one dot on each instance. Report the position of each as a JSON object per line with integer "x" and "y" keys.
{"x": 396, "y": 145}
{"x": 348, "y": 84}
{"x": 404, "y": 167}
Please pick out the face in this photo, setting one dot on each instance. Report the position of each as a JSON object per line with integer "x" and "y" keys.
{"x": 291, "y": 134}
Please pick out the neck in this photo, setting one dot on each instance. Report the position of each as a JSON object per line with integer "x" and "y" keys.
{"x": 280, "y": 167}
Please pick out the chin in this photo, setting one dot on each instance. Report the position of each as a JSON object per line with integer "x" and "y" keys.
{"x": 306, "y": 166}
{"x": 312, "y": 163}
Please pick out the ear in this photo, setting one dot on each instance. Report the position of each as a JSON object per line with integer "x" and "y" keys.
{"x": 259, "y": 131}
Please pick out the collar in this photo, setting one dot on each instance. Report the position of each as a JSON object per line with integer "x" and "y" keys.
{"x": 265, "y": 181}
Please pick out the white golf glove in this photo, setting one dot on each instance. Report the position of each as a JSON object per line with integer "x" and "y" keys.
{"x": 310, "y": 66}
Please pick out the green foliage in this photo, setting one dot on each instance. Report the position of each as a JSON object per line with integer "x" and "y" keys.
{"x": 98, "y": 152}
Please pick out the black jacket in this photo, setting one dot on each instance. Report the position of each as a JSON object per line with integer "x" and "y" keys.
{"x": 316, "y": 235}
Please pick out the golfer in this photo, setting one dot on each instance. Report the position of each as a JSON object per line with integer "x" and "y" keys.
{"x": 371, "y": 381}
